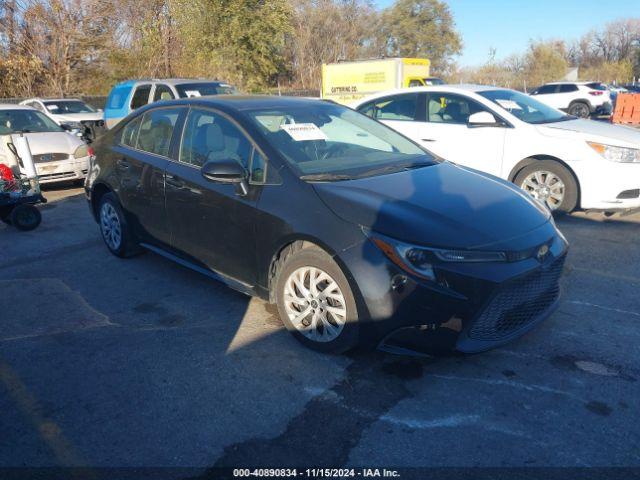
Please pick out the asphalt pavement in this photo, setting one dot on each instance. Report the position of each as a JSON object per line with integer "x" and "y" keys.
{"x": 142, "y": 363}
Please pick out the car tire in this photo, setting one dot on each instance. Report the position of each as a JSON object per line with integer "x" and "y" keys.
{"x": 579, "y": 109}
{"x": 5, "y": 214}
{"x": 540, "y": 179}
{"x": 25, "y": 217}
{"x": 303, "y": 279}
{"x": 116, "y": 232}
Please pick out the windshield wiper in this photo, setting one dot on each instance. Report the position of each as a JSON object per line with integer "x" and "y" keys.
{"x": 395, "y": 169}
{"x": 326, "y": 177}
{"x": 555, "y": 120}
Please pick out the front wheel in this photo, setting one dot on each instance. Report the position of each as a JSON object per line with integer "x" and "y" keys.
{"x": 551, "y": 183}
{"x": 315, "y": 301}
{"x": 25, "y": 217}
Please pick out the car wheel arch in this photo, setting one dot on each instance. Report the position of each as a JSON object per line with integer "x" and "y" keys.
{"x": 98, "y": 190}
{"x": 583, "y": 101}
{"x": 292, "y": 245}
{"x": 534, "y": 158}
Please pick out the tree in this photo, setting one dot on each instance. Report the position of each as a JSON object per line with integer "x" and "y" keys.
{"x": 421, "y": 28}
{"x": 545, "y": 62}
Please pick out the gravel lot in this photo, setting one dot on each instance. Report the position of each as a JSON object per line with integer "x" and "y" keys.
{"x": 141, "y": 362}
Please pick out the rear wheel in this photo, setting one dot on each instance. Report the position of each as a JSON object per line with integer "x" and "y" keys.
{"x": 116, "y": 233}
{"x": 5, "y": 214}
{"x": 25, "y": 217}
{"x": 551, "y": 183}
{"x": 579, "y": 109}
{"x": 315, "y": 301}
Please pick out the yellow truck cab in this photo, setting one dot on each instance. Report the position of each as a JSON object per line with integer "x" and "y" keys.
{"x": 346, "y": 82}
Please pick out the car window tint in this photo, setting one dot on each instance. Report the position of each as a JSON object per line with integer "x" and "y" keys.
{"x": 399, "y": 107}
{"x": 450, "y": 108}
{"x": 162, "y": 92}
{"x": 567, "y": 88}
{"x": 416, "y": 83}
{"x": 129, "y": 133}
{"x": 140, "y": 96}
{"x": 209, "y": 136}
{"x": 546, "y": 89}
{"x": 156, "y": 130}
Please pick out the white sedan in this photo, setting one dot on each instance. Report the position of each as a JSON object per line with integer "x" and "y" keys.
{"x": 565, "y": 162}
{"x": 57, "y": 154}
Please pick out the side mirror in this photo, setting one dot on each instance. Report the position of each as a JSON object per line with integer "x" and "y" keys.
{"x": 482, "y": 119}
{"x": 66, "y": 127}
{"x": 226, "y": 171}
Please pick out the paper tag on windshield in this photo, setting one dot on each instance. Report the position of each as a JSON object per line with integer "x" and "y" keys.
{"x": 301, "y": 132}
{"x": 508, "y": 104}
{"x": 192, "y": 93}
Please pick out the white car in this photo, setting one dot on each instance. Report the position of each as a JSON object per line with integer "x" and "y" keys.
{"x": 57, "y": 154}
{"x": 72, "y": 113}
{"x": 580, "y": 99}
{"x": 565, "y": 162}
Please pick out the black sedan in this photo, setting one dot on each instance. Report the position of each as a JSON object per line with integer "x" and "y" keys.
{"x": 359, "y": 235}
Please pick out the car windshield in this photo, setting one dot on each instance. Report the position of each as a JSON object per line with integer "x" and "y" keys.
{"x": 187, "y": 90}
{"x": 328, "y": 142}
{"x": 68, "y": 106}
{"x": 524, "y": 107}
{"x": 26, "y": 121}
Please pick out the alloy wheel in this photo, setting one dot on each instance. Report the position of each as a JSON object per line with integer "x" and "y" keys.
{"x": 545, "y": 186}
{"x": 110, "y": 226}
{"x": 315, "y": 304}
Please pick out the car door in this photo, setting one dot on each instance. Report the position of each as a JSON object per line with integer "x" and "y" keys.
{"x": 446, "y": 132}
{"x": 400, "y": 112}
{"x": 141, "y": 157}
{"x": 213, "y": 223}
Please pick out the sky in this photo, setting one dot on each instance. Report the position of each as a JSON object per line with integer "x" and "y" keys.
{"x": 508, "y": 25}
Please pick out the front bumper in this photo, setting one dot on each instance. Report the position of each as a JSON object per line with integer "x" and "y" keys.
{"x": 471, "y": 308}
{"x": 61, "y": 171}
{"x": 608, "y": 186}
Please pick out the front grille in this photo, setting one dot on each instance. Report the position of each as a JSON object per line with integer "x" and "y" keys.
{"x": 518, "y": 304}
{"x": 50, "y": 157}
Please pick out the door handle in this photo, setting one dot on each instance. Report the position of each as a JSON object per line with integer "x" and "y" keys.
{"x": 122, "y": 163}
{"x": 173, "y": 181}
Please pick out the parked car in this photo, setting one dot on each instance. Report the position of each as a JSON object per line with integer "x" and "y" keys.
{"x": 72, "y": 114}
{"x": 127, "y": 96}
{"x": 58, "y": 155}
{"x": 633, "y": 88}
{"x": 565, "y": 162}
{"x": 580, "y": 99}
{"x": 356, "y": 233}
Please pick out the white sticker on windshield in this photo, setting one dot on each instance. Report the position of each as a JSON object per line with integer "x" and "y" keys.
{"x": 192, "y": 93}
{"x": 508, "y": 104}
{"x": 301, "y": 132}
{"x": 52, "y": 107}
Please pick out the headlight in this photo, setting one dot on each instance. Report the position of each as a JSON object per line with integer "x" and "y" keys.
{"x": 420, "y": 260}
{"x": 616, "y": 154}
{"x": 81, "y": 152}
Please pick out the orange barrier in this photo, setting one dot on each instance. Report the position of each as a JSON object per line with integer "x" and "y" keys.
{"x": 627, "y": 109}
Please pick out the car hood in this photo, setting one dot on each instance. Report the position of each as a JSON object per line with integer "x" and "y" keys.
{"x": 592, "y": 130}
{"x": 77, "y": 117}
{"x": 51, "y": 142}
{"x": 441, "y": 206}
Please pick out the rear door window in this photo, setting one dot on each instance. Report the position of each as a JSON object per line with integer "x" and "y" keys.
{"x": 546, "y": 89}
{"x": 568, "y": 88}
{"x": 156, "y": 130}
{"x": 140, "y": 96}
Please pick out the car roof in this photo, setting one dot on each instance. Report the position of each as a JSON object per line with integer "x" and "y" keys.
{"x": 571, "y": 83}
{"x": 241, "y": 102}
{"x": 449, "y": 88}
{"x": 170, "y": 81}
{"x": 14, "y": 106}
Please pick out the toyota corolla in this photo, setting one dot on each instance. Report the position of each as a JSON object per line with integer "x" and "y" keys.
{"x": 358, "y": 234}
